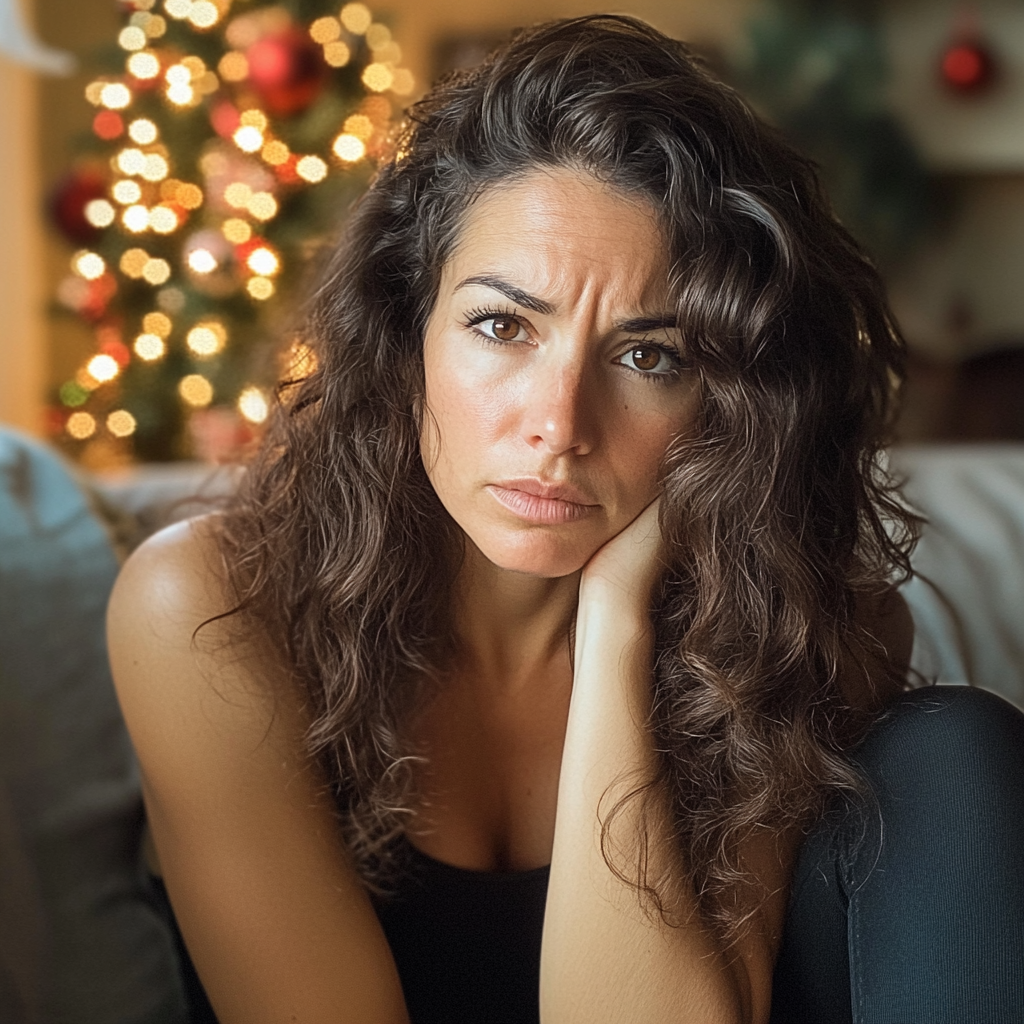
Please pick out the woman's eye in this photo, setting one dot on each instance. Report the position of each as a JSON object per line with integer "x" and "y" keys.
{"x": 649, "y": 359}
{"x": 502, "y": 328}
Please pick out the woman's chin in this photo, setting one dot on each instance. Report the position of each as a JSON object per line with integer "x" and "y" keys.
{"x": 536, "y": 556}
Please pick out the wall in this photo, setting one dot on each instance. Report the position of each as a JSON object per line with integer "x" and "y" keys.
{"x": 418, "y": 24}
{"x": 22, "y": 353}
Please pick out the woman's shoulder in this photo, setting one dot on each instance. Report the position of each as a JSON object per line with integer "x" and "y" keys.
{"x": 173, "y": 636}
{"x": 174, "y": 576}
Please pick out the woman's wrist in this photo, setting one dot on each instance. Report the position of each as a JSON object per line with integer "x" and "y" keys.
{"x": 610, "y": 604}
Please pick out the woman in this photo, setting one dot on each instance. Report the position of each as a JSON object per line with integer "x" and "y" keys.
{"x": 572, "y": 551}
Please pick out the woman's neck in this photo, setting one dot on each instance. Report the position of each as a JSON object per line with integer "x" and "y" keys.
{"x": 512, "y": 628}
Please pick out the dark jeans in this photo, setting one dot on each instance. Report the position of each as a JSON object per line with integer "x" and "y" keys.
{"x": 909, "y": 910}
{"x": 912, "y": 911}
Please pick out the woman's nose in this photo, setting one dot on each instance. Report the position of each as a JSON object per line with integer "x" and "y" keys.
{"x": 558, "y": 408}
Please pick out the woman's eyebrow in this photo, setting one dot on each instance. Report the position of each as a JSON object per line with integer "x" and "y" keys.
{"x": 664, "y": 322}
{"x": 510, "y": 291}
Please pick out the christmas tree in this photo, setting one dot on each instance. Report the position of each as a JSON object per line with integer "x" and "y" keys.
{"x": 228, "y": 139}
{"x": 818, "y": 69}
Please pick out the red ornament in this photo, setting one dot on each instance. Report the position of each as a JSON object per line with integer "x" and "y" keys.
{"x": 69, "y": 199}
{"x": 967, "y": 65}
{"x": 108, "y": 125}
{"x": 287, "y": 70}
{"x": 97, "y": 297}
{"x": 225, "y": 119}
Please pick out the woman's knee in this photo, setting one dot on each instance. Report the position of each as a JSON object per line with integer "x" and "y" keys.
{"x": 950, "y": 738}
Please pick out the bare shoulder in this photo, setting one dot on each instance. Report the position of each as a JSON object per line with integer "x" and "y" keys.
{"x": 175, "y": 577}
{"x": 171, "y": 650}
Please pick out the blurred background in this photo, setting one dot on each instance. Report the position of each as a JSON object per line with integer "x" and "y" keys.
{"x": 140, "y": 293}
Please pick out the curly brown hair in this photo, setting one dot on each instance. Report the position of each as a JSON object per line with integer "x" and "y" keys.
{"x": 777, "y": 513}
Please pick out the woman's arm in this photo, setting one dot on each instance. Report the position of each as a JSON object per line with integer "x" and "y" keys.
{"x": 276, "y": 920}
{"x": 604, "y": 958}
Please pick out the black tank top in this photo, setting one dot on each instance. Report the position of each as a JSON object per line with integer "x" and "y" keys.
{"x": 466, "y": 943}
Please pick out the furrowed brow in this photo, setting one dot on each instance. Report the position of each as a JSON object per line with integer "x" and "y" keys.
{"x": 511, "y": 292}
{"x": 640, "y": 324}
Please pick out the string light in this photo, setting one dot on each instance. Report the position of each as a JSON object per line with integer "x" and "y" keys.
{"x": 203, "y": 14}
{"x": 133, "y": 262}
{"x": 263, "y": 261}
{"x": 135, "y": 218}
{"x": 121, "y": 423}
{"x": 252, "y": 404}
{"x": 403, "y": 83}
{"x": 236, "y": 230}
{"x": 378, "y": 36}
{"x": 359, "y": 125}
{"x": 156, "y": 271}
{"x": 377, "y": 109}
{"x": 72, "y": 394}
{"x": 349, "y": 148}
{"x": 276, "y": 153}
{"x": 195, "y": 66}
{"x": 115, "y": 96}
{"x": 233, "y": 67}
{"x": 126, "y": 192}
{"x": 378, "y": 77}
{"x": 149, "y": 347}
{"x": 206, "y": 339}
{"x": 237, "y": 194}
{"x": 202, "y": 261}
{"x": 337, "y": 54}
{"x": 152, "y": 24}
{"x": 254, "y": 119}
{"x": 311, "y": 169}
{"x": 179, "y": 88}
{"x": 143, "y": 131}
{"x": 158, "y": 324}
{"x": 171, "y": 300}
{"x": 131, "y": 161}
{"x": 103, "y": 368}
{"x": 99, "y": 213}
{"x": 154, "y": 167}
{"x": 262, "y": 206}
{"x": 248, "y": 139}
{"x": 196, "y": 390}
{"x": 178, "y": 8}
{"x": 86, "y": 380}
{"x": 356, "y": 18}
{"x": 260, "y": 288}
{"x": 89, "y": 265}
{"x": 131, "y": 38}
{"x": 182, "y": 193}
{"x": 163, "y": 220}
{"x": 80, "y": 425}
{"x": 325, "y": 30}
{"x": 144, "y": 65}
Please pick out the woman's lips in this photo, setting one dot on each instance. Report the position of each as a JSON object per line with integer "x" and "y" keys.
{"x": 538, "y": 502}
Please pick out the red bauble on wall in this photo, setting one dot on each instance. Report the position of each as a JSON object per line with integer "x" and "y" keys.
{"x": 69, "y": 199}
{"x": 967, "y": 65}
{"x": 287, "y": 70}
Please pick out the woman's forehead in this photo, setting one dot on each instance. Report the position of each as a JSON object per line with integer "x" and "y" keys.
{"x": 558, "y": 234}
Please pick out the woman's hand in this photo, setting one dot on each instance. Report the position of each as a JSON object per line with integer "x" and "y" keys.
{"x": 626, "y": 568}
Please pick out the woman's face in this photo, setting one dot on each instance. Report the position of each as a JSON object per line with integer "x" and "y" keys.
{"x": 554, "y": 382}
